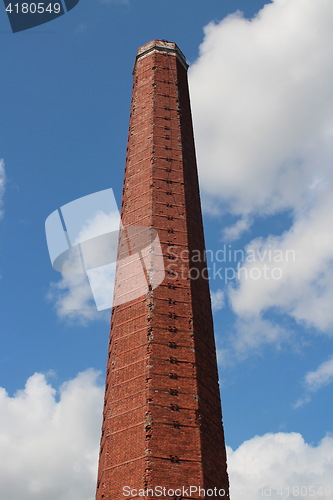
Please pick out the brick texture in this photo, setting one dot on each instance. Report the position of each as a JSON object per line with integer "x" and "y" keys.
{"x": 162, "y": 420}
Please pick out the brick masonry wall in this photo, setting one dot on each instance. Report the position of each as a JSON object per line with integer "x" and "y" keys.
{"x": 162, "y": 413}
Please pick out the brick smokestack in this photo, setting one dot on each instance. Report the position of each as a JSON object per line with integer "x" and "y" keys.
{"x": 162, "y": 420}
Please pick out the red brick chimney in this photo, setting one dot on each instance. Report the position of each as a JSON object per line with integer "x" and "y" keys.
{"x": 162, "y": 421}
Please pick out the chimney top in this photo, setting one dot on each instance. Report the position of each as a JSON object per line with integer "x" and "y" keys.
{"x": 161, "y": 46}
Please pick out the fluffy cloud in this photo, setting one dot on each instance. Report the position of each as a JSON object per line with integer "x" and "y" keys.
{"x": 234, "y": 231}
{"x": 315, "y": 380}
{"x": 2, "y": 185}
{"x": 299, "y": 270}
{"x": 217, "y": 299}
{"x": 251, "y": 333}
{"x": 320, "y": 377}
{"x": 87, "y": 269}
{"x": 281, "y": 466}
{"x": 263, "y": 112}
{"x": 49, "y": 439}
{"x": 73, "y": 300}
{"x": 262, "y": 103}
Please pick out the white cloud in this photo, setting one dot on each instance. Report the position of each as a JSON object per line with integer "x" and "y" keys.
{"x": 299, "y": 271}
{"x": 2, "y": 185}
{"x": 316, "y": 380}
{"x": 89, "y": 268}
{"x": 217, "y": 299}
{"x": 262, "y": 103}
{"x": 76, "y": 296}
{"x": 232, "y": 233}
{"x": 98, "y": 224}
{"x": 320, "y": 377}
{"x": 73, "y": 299}
{"x": 49, "y": 439}
{"x": 281, "y": 466}
{"x": 252, "y": 332}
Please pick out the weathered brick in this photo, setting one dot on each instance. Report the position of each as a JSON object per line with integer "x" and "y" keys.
{"x": 162, "y": 423}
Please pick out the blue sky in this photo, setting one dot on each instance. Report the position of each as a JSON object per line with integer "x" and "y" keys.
{"x": 261, "y": 86}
